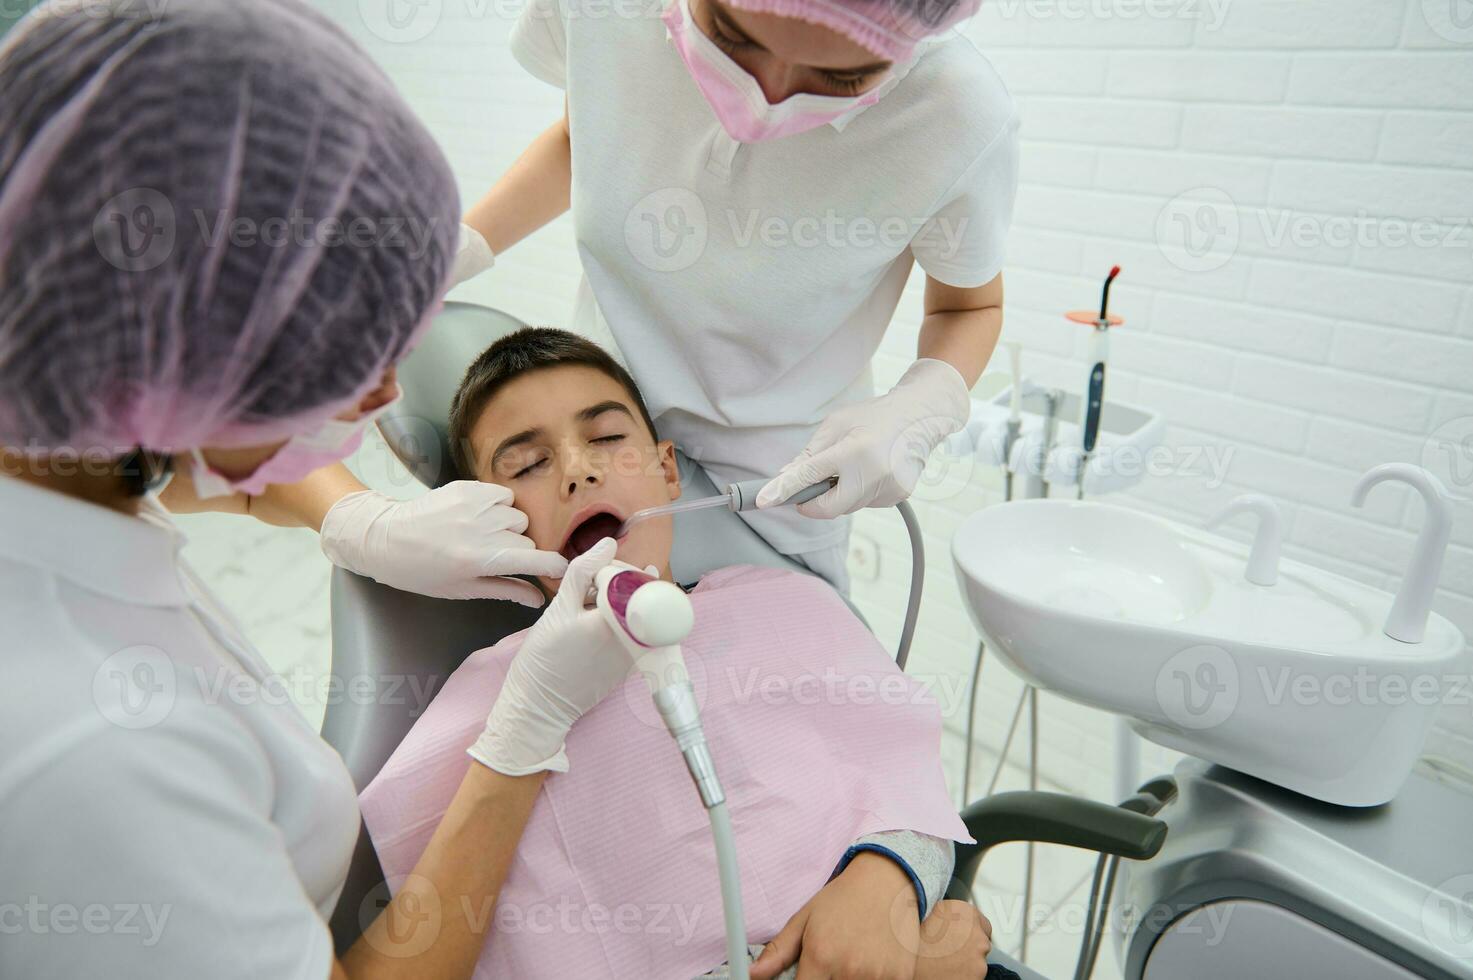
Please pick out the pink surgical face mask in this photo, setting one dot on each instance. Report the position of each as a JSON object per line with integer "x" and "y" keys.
{"x": 331, "y": 442}
{"x": 738, "y": 100}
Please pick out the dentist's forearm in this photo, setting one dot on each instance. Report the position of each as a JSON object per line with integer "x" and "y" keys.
{"x": 438, "y": 922}
{"x": 962, "y": 326}
{"x": 534, "y": 191}
{"x": 302, "y": 504}
{"x": 305, "y": 504}
{"x": 963, "y": 340}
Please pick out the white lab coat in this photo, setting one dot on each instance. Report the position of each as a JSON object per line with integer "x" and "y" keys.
{"x": 164, "y": 810}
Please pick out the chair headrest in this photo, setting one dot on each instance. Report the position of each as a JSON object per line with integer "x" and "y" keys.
{"x": 417, "y": 428}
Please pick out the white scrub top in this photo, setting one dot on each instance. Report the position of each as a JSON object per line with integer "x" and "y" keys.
{"x": 747, "y": 286}
{"x": 164, "y": 811}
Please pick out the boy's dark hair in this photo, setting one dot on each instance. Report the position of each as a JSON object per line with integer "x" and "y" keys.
{"x": 516, "y": 354}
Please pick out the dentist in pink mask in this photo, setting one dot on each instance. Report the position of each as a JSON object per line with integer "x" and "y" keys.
{"x": 752, "y": 184}
{"x": 739, "y": 100}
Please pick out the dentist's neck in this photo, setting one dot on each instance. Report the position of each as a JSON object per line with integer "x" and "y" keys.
{"x": 87, "y": 480}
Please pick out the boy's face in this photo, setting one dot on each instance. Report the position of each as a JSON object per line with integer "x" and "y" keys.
{"x": 572, "y": 447}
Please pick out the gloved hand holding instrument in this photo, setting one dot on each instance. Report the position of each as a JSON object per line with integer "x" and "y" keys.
{"x": 568, "y": 662}
{"x": 877, "y": 448}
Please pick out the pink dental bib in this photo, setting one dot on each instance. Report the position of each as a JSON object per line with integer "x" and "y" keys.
{"x": 818, "y": 739}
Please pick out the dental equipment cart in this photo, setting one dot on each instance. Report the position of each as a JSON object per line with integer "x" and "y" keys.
{"x": 1258, "y": 881}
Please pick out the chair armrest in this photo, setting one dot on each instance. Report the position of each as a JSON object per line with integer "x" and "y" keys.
{"x": 1052, "y": 818}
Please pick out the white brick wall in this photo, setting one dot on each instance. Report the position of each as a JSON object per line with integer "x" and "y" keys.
{"x": 1335, "y": 334}
{"x": 1308, "y": 353}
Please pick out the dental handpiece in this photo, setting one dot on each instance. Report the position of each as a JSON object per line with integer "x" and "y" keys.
{"x": 738, "y": 497}
{"x": 650, "y": 618}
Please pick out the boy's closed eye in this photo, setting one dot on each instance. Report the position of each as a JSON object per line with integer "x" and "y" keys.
{"x": 543, "y": 457}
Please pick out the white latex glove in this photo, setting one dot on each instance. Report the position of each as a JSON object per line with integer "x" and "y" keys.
{"x": 473, "y": 256}
{"x": 877, "y": 448}
{"x": 569, "y": 662}
{"x": 456, "y": 542}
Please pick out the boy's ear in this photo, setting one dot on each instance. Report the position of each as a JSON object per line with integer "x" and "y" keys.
{"x": 666, "y": 449}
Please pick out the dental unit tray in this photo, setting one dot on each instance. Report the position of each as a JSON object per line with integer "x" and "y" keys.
{"x": 1128, "y": 435}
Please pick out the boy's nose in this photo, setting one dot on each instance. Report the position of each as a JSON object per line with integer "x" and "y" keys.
{"x": 580, "y": 468}
{"x": 589, "y": 480}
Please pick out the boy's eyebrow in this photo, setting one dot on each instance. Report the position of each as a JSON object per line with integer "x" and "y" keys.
{"x": 512, "y": 442}
{"x": 724, "y": 20}
{"x": 584, "y": 415}
{"x": 612, "y": 405}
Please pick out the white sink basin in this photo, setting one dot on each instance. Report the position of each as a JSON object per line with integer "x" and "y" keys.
{"x": 1295, "y": 683}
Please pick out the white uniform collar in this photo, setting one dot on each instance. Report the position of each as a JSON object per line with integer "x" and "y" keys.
{"x": 132, "y": 559}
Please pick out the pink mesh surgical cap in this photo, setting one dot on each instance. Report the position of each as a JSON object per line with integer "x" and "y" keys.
{"x": 889, "y": 28}
{"x": 219, "y": 225}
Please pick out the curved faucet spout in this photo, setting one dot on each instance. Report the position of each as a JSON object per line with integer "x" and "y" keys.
{"x": 1407, "y": 620}
{"x": 1263, "y": 560}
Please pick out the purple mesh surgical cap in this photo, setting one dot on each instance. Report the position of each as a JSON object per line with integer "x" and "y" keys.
{"x": 219, "y": 225}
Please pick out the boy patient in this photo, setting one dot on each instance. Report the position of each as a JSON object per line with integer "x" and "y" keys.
{"x": 829, "y": 755}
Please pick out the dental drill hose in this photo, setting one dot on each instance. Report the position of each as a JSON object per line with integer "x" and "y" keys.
{"x": 677, "y": 706}
{"x": 650, "y": 618}
{"x": 731, "y": 891}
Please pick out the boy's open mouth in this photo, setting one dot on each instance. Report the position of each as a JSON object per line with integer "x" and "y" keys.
{"x": 588, "y": 529}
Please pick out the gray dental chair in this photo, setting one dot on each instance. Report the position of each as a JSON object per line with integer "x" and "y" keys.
{"x": 418, "y": 642}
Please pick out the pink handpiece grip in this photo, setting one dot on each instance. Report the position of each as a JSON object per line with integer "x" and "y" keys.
{"x": 621, "y": 589}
